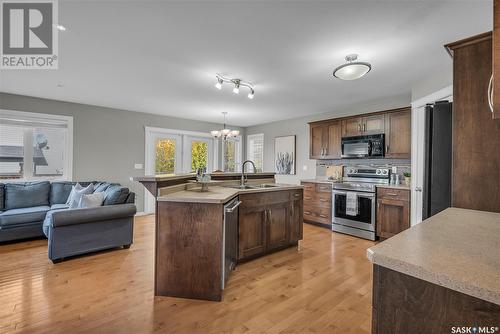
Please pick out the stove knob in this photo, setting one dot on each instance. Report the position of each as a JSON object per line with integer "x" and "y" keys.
{"x": 378, "y": 172}
{"x": 385, "y": 171}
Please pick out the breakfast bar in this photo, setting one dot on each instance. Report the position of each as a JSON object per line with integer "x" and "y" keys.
{"x": 439, "y": 274}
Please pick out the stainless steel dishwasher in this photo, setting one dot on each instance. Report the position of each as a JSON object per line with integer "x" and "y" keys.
{"x": 229, "y": 238}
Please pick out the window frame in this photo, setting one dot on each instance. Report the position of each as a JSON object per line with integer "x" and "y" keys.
{"x": 238, "y": 155}
{"x": 249, "y": 139}
{"x": 32, "y": 117}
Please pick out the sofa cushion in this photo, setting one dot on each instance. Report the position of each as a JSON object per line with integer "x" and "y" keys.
{"x": 115, "y": 195}
{"x": 59, "y": 206}
{"x": 2, "y": 192}
{"x": 101, "y": 187}
{"x": 23, "y": 215}
{"x": 26, "y": 194}
{"x": 59, "y": 191}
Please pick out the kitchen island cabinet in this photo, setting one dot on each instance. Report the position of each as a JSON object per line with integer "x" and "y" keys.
{"x": 194, "y": 244}
{"x": 439, "y": 274}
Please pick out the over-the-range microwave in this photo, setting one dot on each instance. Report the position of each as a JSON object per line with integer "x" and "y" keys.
{"x": 372, "y": 146}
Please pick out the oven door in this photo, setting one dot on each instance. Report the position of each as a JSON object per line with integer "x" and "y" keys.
{"x": 365, "y": 219}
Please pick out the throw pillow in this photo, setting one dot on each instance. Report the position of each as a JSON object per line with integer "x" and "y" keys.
{"x": 91, "y": 200}
{"x": 77, "y": 196}
{"x": 72, "y": 193}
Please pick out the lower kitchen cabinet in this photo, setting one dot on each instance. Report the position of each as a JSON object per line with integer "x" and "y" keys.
{"x": 393, "y": 211}
{"x": 269, "y": 221}
{"x": 318, "y": 203}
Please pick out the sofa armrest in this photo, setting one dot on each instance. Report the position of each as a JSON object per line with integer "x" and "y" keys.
{"x": 88, "y": 215}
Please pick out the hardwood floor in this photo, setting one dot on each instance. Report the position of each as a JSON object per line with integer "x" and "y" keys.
{"x": 325, "y": 287}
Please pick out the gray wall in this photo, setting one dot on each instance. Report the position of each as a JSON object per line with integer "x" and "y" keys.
{"x": 106, "y": 142}
{"x": 306, "y": 168}
{"x": 438, "y": 79}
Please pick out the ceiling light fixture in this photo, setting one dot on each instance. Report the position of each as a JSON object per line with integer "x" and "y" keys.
{"x": 237, "y": 84}
{"x": 352, "y": 69}
{"x": 225, "y": 133}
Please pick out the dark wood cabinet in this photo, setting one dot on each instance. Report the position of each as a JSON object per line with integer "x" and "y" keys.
{"x": 325, "y": 140}
{"x": 398, "y": 135}
{"x": 318, "y": 204}
{"x": 268, "y": 221}
{"x": 352, "y": 127}
{"x": 278, "y": 225}
{"x": 475, "y": 134}
{"x": 326, "y": 136}
{"x": 495, "y": 78}
{"x": 393, "y": 211}
{"x": 296, "y": 214}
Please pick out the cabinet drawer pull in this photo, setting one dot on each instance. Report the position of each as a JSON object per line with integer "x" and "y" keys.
{"x": 296, "y": 195}
{"x": 391, "y": 194}
{"x": 323, "y": 216}
{"x": 306, "y": 197}
{"x": 323, "y": 200}
{"x": 307, "y": 212}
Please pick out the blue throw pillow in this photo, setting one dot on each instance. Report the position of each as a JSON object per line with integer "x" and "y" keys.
{"x": 26, "y": 194}
{"x": 116, "y": 195}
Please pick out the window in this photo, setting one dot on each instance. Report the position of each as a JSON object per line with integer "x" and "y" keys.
{"x": 255, "y": 150}
{"x": 165, "y": 156}
{"x": 231, "y": 149}
{"x": 35, "y": 146}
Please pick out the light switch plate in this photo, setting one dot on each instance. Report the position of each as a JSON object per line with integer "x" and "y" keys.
{"x": 394, "y": 170}
{"x": 138, "y": 166}
{"x": 304, "y": 167}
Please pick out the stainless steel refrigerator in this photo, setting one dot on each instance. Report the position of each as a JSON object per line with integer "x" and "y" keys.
{"x": 438, "y": 158}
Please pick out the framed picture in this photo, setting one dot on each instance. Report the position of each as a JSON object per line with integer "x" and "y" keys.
{"x": 284, "y": 155}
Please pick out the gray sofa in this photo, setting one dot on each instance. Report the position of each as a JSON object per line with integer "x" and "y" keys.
{"x": 35, "y": 209}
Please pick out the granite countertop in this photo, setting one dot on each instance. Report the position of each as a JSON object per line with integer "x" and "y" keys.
{"x": 218, "y": 194}
{"x": 168, "y": 177}
{"x": 457, "y": 249}
{"x": 394, "y": 186}
{"x": 321, "y": 181}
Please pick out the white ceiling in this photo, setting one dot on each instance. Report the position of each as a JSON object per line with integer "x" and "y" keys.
{"x": 161, "y": 57}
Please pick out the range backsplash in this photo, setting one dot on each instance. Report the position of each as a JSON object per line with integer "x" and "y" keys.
{"x": 403, "y": 165}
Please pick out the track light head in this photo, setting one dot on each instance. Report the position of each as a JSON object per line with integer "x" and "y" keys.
{"x": 218, "y": 85}
{"x": 251, "y": 94}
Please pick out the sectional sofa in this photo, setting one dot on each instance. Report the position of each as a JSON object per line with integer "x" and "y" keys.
{"x": 35, "y": 209}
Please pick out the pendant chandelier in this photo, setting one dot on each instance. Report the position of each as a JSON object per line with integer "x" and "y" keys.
{"x": 225, "y": 133}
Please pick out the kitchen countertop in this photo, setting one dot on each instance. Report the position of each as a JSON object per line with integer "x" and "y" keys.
{"x": 321, "y": 181}
{"x": 394, "y": 186}
{"x": 457, "y": 249}
{"x": 219, "y": 194}
{"x": 168, "y": 177}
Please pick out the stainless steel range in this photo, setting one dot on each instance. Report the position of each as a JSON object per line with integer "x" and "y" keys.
{"x": 353, "y": 202}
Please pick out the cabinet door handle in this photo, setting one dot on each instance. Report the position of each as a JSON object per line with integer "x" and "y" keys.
{"x": 307, "y": 212}
{"x": 364, "y": 127}
{"x": 270, "y": 221}
{"x": 386, "y": 148}
{"x": 490, "y": 93}
{"x": 359, "y": 127}
{"x": 292, "y": 210}
{"x": 296, "y": 195}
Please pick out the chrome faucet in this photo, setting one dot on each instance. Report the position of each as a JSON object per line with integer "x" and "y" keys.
{"x": 243, "y": 178}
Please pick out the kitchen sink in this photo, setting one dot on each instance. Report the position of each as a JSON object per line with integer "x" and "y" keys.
{"x": 241, "y": 187}
{"x": 266, "y": 185}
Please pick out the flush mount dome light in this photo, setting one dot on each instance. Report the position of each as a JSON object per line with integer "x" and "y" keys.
{"x": 353, "y": 69}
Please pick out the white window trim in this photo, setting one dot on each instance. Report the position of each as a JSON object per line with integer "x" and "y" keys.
{"x": 149, "y": 155}
{"x": 40, "y": 118}
{"x": 249, "y": 139}
{"x": 239, "y": 152}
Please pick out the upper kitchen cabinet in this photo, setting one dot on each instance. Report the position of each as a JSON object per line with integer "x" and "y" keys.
{"x": 398, "y": 134}
{"x": 359, "y": 126}
{"x": 494, "y": 86}
{"x": 325, "y": 140}
{"x": 475, "y": 134}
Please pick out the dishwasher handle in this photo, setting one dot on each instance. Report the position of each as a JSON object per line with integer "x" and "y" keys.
{"x": 231, "y": 209}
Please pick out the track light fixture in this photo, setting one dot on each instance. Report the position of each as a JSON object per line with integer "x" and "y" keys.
{"x": 237, "y": 83}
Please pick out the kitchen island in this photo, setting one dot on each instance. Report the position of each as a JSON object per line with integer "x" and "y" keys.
{"x": 201, "y": 236}
{"x": 438, "y": 275}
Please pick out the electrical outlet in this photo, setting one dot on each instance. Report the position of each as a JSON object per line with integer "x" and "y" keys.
{"x": 394, "y": 169}
{"x": 304, "y": 167}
